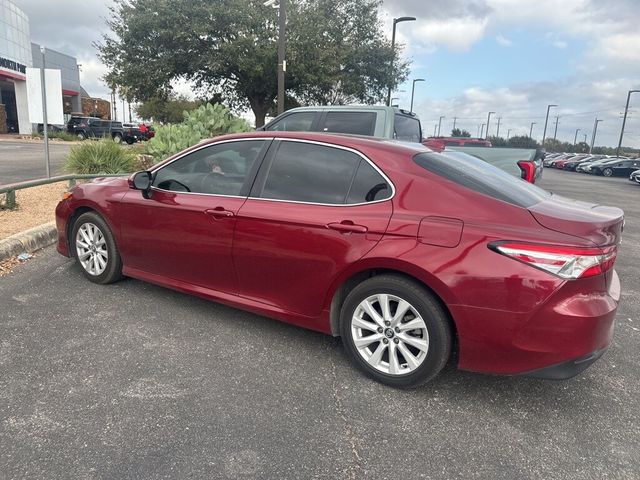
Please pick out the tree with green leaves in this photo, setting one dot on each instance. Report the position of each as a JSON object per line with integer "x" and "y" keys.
{"x": 336, "y": 51}
{"x": 456, "y": 132}
{"x": 522, "y": 141}
{"x": 497, "y": 141}
{"x": 166, "y": 110}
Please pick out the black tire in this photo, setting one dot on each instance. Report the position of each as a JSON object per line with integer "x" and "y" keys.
{"x": 113, "y": 269}
{"x": 81, "y": 136}
{"x": 434, "y": 316}
{"x": 607, "y": 172}
{"x": 130, "y": 141}
{"x": 117, "y": 138}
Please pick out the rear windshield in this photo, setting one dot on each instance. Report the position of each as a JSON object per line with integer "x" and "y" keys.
{"x": 476, "y": 174}
{"x": 407, "y": 128}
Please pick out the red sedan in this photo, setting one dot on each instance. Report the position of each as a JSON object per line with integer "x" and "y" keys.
{"x": 405, "y": 253}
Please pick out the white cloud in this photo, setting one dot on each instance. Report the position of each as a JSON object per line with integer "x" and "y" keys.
{"x": 458, "y": 34}
{"x": 561, "y": 44}
{"x": 503, "y": 41}
{"x": 623, "y": 47}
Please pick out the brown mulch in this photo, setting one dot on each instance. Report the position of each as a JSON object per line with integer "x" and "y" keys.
{"x": 8, "y": 265}
{"x": 36, "y": 206}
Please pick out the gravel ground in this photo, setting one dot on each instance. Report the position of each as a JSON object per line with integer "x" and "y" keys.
{"x": 36, "y": 206}
{"x": 136, "y": 381}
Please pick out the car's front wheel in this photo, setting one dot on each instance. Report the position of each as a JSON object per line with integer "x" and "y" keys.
{"x": 395, "y": 331}
{"x": 81, "y": 136}
{"x": 607, "y": 172}
{"x": 95, "y": 249}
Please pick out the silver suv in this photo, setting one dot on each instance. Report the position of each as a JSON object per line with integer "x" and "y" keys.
{"x": 374, "y": 121}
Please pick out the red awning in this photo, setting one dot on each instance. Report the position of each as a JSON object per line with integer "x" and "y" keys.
{"x": 73, "y": 93}
{"x": 12, "y": 75}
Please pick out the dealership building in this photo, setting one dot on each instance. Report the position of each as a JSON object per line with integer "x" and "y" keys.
{"x": 17, "y": 52}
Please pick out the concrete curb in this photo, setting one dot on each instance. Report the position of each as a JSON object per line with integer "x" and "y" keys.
{"x": 28, "y": 241}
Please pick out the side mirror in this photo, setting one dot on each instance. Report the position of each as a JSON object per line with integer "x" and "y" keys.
{"x": 141, "y": 181}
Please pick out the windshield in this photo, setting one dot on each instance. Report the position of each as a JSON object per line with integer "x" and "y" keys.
{"x": 476, "y": 174}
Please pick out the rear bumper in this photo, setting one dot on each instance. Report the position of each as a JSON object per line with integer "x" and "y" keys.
{"x": 559, "y": 339}
{"x": 568, "y": 369}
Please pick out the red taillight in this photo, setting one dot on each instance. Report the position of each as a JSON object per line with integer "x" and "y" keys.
{"x": 528, "y": 170}
{"x": 565, "y": 262}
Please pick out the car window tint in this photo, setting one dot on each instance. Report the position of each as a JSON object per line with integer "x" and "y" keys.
{"x": 357, "y": 123}
{"x": 217, "y": 169}
{"x": 452, "y": 143}
{"x": 295, "y": 122}
{"x": 407, "y": 128}
{"x": 368, "y": 185}
{"x": 476, "y": 174}
{"x": 307, "y": 172}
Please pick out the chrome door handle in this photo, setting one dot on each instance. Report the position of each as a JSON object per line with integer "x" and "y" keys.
{"x": 219, "y": 212}
{"x": 347, "y": 226}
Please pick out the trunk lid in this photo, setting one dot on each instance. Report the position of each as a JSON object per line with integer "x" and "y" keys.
{"x": 598, "y": 224}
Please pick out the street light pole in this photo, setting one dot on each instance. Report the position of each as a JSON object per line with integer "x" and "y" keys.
{"x": 45, "y": 117}
{"x": 595, "y": 130}
{"x": 546, "y": 120}
{"x": 482, "y": 130}
{"x": 555, "y": 131}
{"x": 440, "y": 123}
{"x": 282, "y": 63}
{"x": 575, "y": 137}
{"x": 413, "y": 89}
{"x": 508, "y": 133}
{"x": 624, "y": 121}
{"x": 498, "y": 130}
{"x": 393, "y": 50}
{"x": 488, "y": 119}
{"x": 531, "y": 129}
{"x": 454, "y": 122}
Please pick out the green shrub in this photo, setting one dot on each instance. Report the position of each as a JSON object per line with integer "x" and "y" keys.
{"x": 205, "y": 121}
{"x": 104, "y": 156}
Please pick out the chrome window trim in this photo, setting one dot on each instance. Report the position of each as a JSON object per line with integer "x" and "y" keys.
{"x": 221, "y": 142}
{"x": 313, "y": 142}
{"x": 340, "y": 147}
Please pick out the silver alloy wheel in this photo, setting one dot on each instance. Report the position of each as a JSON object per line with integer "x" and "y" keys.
{"x": 390, "y": 334}
{"x": 91, "y": 249}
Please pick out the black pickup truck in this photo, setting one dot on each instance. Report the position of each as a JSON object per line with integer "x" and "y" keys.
{"x": 92, "y": 127}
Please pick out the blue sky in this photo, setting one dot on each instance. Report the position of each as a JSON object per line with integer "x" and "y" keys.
{"x": 509, "y": 56}
{"x": 515, "y": 57}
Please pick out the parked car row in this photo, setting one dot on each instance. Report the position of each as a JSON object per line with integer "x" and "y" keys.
{"x": 93, "y": 127}
{"x": 607, "y": 166}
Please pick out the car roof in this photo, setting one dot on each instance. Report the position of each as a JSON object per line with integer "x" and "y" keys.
{"x": 348, "y": 108}
{"x": 345, "y": 140}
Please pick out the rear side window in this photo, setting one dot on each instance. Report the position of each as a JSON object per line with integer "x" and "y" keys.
{"x": 357, "y": 123}
{"x": 476, "y": 174}
{"x": 295, "y": 122}
{"x": 368, "y": 185}
{"x": 307, "y": 172}
{"x": 407, "y": 128}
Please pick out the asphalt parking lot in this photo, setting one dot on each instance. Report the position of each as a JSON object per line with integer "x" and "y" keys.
{"x": 21, "y": 161}
{"x": 136, "y": 381}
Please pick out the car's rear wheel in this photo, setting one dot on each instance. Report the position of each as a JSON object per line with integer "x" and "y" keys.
{"x": 395, "y": 331}
{"x": 117, "y": 138}
{"x": 81, "y": 136}
{"x": 95, "y": 249}
{"x": 607, "y": 172}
